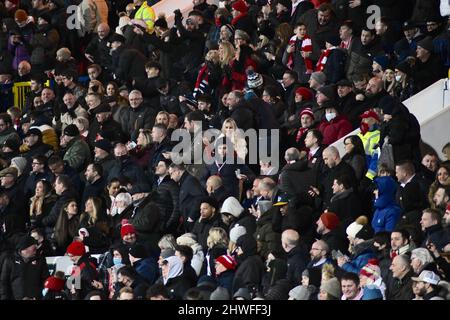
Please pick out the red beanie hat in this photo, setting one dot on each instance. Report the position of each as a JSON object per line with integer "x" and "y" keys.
{"x": 305, "y": 93}
{"x": 307, "y": 111}
{"x": 330, "y": 220}
{"x": 55, "y": 284}
{"x": 240, "y": 6}
{"x": 127, "y": 229}
{"x": 227, "y": 261}
{"x": 76, "y": 248}
{"x": 370, "y": 114}
{"x": 371, "y": 270}
{"x": 21, "y": 15}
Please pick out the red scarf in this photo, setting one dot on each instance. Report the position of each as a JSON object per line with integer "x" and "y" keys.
{"x": 300, "y": 133}
{"x": 307, "y": 47}
{"x": 202, "y": 80}
{"x": 235, "y": 20}
{"x": 323, "y": 60}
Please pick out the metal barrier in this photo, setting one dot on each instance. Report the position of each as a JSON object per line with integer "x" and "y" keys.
{"x": 20, "y": 91}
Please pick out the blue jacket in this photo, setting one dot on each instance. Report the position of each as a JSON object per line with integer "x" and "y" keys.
{"x": 148, "y": 269}
{"x": 387, "y": 212}
{"x": 363, "y": 254}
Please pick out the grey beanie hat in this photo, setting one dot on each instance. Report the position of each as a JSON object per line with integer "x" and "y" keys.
{"x": 332, "y": 287}
{"x": 300, "y": 293}
{"x": 220, "y": 293}
{"x": 236, "y": 232}
{"x": 319, "y": 77}
{"x": 264, "y": 206}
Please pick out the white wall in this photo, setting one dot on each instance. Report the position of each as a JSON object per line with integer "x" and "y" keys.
{"x": 431, "y": 107}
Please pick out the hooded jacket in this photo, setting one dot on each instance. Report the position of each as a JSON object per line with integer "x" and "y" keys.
{"x": 387, "y": 212}
{"x": 250, "y": 266}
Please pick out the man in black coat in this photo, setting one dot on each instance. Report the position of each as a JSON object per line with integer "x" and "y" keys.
{"x": 168, "y": 196}
{"x": 12, "y": 220}
{"x": 104, "y": 125}
{"x": 399, "y": 286}
{"x": 216, "y": 190}
{"x": 95, "y": 184}
{"x": 335, "y": 167}
{"x": 345, "y": 203}
{"x": 330, "y": 230}
{"x": 250, "y": 267}
{"x": 209, "y": 217}
{"x": 161, "y": 145}
{"x": 97, "y": 51}
{"x": 146, "y": 217}
{"x": 296, "y": 177}
{"x": 297, "y": 255}
{"x": 240, "y": 111}
{"x": 412, "y": 193}
{"x": 24, "y": 273}
{"x": 429, "y": 67}
{"x": 11, "y": 186}
{"x": 35, "y": 146}
{"x": 299, "y": 8}
{"x": 125, "y": 168}
{"x": 191, "y": 193}
{"x": 103, "y": 156}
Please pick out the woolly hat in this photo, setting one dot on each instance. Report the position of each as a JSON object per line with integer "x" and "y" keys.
{"x": 103, "y": 107}
{"x": 279, "y": 291}
{"x": 76, "y": 249}
{"x": 371, "y": 270}
{"x": 307, "y": 111}
{"x": 264, "y": 206}
{"x": 344, "y": 83}
{"x": 332, "y": 39}
{"x": 13, "y": 144}
{"x": 140, "y": 188}
{"x": 240, "y": 6}
{"x": 254, "y": 79}
{"x": 25, "y": 242}
{"x": 227, "y": 261}
{"x": 71, "y": 131}
{"x": 286, "y": 3}
{"x": 404, "y": 67}
{"x": 319, "y": 77}
{"x": 21, "y": 16}
{"x": 117, "y": 37}
{"x": 34, "y": 131}
{"x": 54, "y": 283}
{"x": 211, "y": 201}
{"x": 138, "y": 251}
{"x": 370, "y": 114}
{"x": 19, "y": 163}
{"x": 387, "y": 104}
{"x": 46, "y": 16}
{"x": 371, "y": 292}
{"x": 426, "y": 43}
{"x": 232, "y": 206}
{"x": 126, "y": 229}
{"x": 356, "y": 226}
{"x": 236, "y": 232}
{"x": 300, "y": 293}
{"x": 382, "y": 60}
{"x": 330, "y": 220}
{"x": 328, "y": 91}
{"x": 306, "y": 94}
{"x": 167, "y": 253}
{"x": 103, "y": 144}
{"x": 332, "y": 287}
{"x": 220, "y": 293}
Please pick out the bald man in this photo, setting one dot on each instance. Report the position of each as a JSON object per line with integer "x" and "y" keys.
{"x": 297, "y": 255}
{"x": 336, "y": 168}
{"x": 399, "y": 286}
{"x": 319, "y": 254}
{"x": 215, "y": 189}
{"x": 97, "y": 50}
{"x": 23, "y": 71}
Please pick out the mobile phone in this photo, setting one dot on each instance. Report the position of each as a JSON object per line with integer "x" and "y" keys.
{"x": 237, "y": 172}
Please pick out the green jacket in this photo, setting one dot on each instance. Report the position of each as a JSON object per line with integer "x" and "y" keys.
{"x": 78, "y": 154}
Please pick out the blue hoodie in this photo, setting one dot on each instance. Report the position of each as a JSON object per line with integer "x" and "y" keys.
{"x": 387, "y": 212}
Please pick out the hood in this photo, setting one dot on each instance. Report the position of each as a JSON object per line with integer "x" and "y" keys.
{"x": 387, "y": 188}
{"x": 175, "y": 268}
{"x": 248, "y": 245}
{"x": 232, "y": 206}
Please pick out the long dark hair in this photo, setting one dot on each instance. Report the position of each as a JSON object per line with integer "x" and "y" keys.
{"x": 65, "y": 229}
{"x": 358, "y": 147}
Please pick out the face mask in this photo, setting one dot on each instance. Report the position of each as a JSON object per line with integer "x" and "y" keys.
{"x": 364, "y": 127}
{"x": 398, "y": 78}
{"x": 330, "y": 116}
{"x": 117, "y": 261}
{"x": 218, "y": 22}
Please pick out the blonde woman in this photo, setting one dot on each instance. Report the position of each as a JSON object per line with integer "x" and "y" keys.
{"x": 226, "y": 53}
{"x": 92, "y": 213}
{"x": 163, "y": 118}
{"x": 390, "y": 84}
{"x": 217, "y": 244}
{"x": 83, "y": 126}
{"x": 96, "y": 227}
{"x": 231, "y": 131}
{"x": 140, "y": 154}
{"x": 96, "y": 86}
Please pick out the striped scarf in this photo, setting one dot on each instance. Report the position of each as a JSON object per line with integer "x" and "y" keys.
{"x": 306, "y": 47}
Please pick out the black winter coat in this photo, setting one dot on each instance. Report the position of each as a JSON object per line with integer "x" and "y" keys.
{"x": 191, "y": 193}
{"x": 168, "y": 203}
{"x": 20, "y": 278}
{"x": 297, "y": 261}
{"x": 202, "y": 226}
{"x": 296, "y": 179}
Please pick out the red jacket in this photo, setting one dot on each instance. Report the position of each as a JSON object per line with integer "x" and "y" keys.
{"x": 334, "y": 129}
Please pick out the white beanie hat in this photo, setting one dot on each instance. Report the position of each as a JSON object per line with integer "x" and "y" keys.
{"x": 232, "y": 206}
{"x": 236, "y": 232}
{"x": 353, "y": 229}
{"x": 19, "y": 163}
